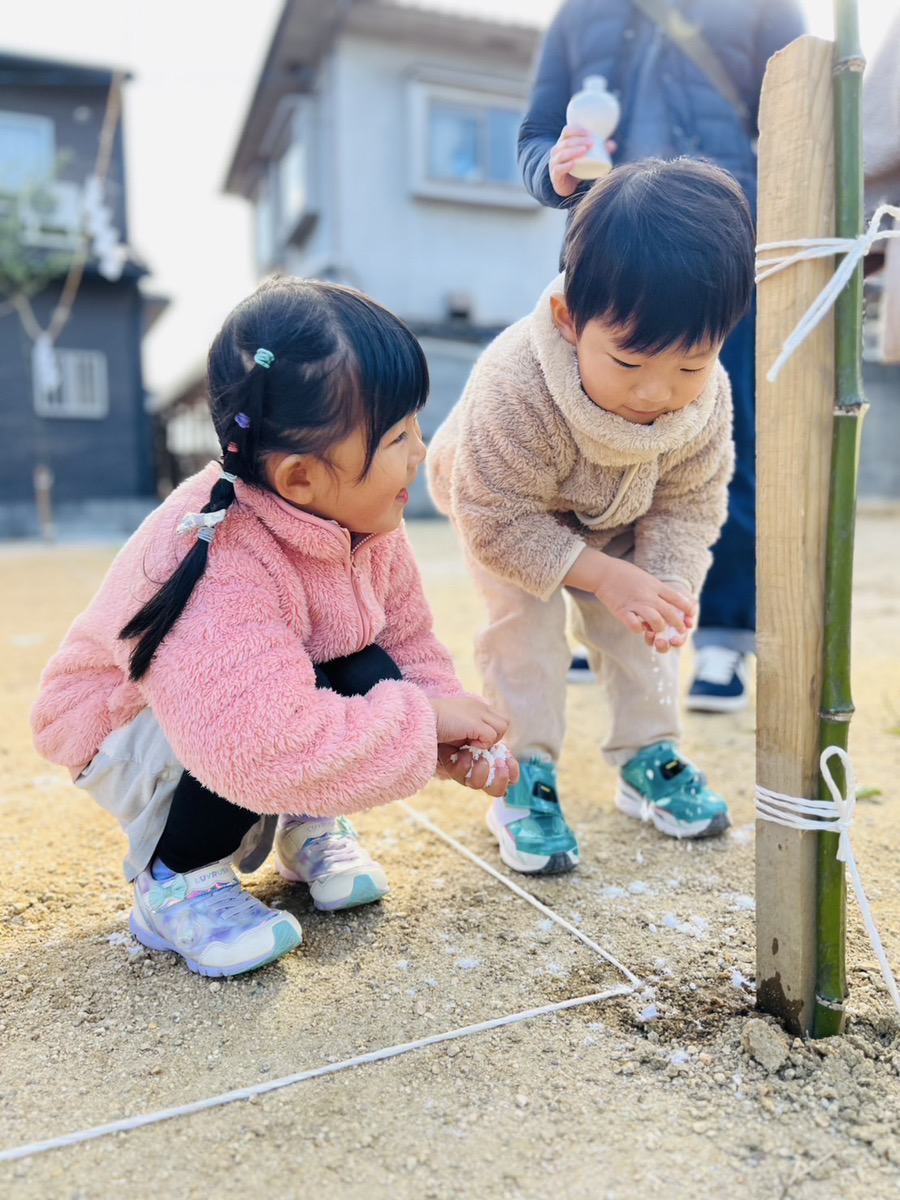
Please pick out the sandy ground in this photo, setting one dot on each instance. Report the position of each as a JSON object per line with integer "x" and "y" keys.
{"x": 683, "y": 1092}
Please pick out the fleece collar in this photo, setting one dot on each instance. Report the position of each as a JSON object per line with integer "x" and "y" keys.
{"x": 324, "y": 539}
{"x": 602, "y": 436}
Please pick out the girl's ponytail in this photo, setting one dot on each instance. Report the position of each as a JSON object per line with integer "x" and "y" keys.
{"x": 159, "y": 614}
{"x": 162, "y": 610}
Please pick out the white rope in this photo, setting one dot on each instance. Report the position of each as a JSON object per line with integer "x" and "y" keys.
{"x": 514, "y": 887}
{"x": 271, "y": 1085}
{"x": 183, "y": 1110}
{"x": 855, "y": 249}
{"x": 830, "y": 816}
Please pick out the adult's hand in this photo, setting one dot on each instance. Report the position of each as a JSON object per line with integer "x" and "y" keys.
{"x": 573, "y": 144}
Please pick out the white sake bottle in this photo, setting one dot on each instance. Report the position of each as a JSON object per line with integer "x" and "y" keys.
{"x": 596, "y": 110}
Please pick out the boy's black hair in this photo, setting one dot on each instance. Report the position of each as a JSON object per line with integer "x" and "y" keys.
{"x": 341, "y": 362}
{"x": 663, "y": 250}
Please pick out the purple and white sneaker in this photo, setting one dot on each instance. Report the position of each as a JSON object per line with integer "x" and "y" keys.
{"x": 325, "y": 854}
{"x": 208, "y": 918}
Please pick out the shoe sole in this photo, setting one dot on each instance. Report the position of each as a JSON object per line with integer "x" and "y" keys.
{"x": 287, "y": 938}
{"x": 630, "y": 801}
{"x": 531, "y": 864}
{"x": 715, "y": 704}
{"x": 367, "y": 889}
{"x": 576, "y": 676}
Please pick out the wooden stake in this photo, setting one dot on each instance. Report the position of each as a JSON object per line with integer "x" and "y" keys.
{"x": 794, "y": 431}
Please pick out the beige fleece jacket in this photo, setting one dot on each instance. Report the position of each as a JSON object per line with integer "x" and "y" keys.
{"x": 531, "y": 470}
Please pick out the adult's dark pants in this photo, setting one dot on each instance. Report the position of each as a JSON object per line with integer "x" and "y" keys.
{"x": 728, "y": 598}
{"x": 203, "y": 827}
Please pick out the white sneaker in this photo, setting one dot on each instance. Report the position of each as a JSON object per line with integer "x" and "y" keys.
{"x": 325, "y": 854}
{"x": 208, "y": 918}
{"x": 720, "y": 680}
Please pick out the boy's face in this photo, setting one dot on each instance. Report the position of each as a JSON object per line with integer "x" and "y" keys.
{"x": 636, "y": 387}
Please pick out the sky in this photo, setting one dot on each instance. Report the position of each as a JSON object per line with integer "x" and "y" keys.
{"x": 194, "y": 65}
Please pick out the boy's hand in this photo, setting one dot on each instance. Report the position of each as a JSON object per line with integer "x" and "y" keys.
{"x": 470, "y": 719}
{"x": 662, "y": 613}
{"x": 493, "y": 777}
{"x": 573, "y": 143}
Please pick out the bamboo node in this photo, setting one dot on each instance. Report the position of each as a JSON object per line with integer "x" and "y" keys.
{"x": 844, "y": 66}
{"x": 833, "y": 1005}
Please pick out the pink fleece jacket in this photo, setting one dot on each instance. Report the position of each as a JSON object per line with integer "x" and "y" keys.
{"x": 233, "y": 684}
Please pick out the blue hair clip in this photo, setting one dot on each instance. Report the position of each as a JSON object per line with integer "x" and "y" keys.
{"x": 265, "y": 358}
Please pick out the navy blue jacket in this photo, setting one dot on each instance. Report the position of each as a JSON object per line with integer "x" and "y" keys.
{"x": 610, "y": 38}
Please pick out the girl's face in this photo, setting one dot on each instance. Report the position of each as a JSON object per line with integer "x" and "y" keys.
{"x": 373, "y": 504}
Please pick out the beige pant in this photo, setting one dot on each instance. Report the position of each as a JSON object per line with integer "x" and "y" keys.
{"x": 523, "y": 655}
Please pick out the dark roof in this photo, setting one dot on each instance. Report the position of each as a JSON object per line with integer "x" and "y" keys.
{"x": 21, "y": 70}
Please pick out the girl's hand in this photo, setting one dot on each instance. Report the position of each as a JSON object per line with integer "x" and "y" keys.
{"x": 662, "y": 613}
{"x": 463, "y": 719}
{"x": 573, "y": 144}
{"x": 460, "y": 766}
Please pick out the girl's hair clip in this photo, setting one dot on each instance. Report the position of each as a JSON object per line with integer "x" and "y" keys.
{"x": 265, "y": 358}
{"x": 204, "y": 522}
{"x": 243, "y": 420}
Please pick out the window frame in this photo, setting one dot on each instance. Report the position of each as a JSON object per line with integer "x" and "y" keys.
{"x": 46, "y": 127}
{"x": 63, "y": 403}
{"x": 459, "y": 94}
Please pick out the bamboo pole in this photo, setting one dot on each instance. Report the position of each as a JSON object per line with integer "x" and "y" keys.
{"x": 796, "y": 184}
{"x": 849, "y": 409}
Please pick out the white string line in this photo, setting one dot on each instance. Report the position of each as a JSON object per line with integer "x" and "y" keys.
{"x": 830, "y": 816}
{"x": 855, "y": 249}
{"x": 259, "y": 1089}
{"x": 514, "y": 887}
{"x": 129, "y": 1123}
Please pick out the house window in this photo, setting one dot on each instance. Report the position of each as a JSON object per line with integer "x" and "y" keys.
{"x": 464, "y": 145}
{"x": 472, "y": 144}
{"x": 82, "y": 391}
{"x": 27, "y": 151}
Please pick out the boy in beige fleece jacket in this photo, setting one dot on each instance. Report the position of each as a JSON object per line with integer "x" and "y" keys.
{"x": 591, "y": 451}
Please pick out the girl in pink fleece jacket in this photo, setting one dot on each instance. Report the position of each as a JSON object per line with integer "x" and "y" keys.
{"x": 259, "y": 661}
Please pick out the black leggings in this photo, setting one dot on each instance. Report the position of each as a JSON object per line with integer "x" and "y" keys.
{"x": 204, "y": 828}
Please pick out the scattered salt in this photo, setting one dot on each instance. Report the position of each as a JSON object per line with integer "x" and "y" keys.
{"x": 25, "y": 639}
{"x": 739, "y": 979}
{"x": 744, "y": 834}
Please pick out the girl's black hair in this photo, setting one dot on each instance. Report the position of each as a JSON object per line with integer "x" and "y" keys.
{"x": 341, "y": 362}
{"x": 665, "y": 252}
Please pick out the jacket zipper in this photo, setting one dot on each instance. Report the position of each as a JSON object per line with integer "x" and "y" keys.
{"x": 365, "y": 625}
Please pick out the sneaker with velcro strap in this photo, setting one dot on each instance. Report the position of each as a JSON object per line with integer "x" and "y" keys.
{"x": 660, "y": 786}
{"x": 529, "y": 825}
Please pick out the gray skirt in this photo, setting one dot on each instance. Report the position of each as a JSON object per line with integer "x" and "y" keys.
{"x": 134, "y": 775}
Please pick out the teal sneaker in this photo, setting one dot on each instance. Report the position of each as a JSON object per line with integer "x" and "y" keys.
{"x": 659, "y": 785}
{"x": 529, "y": 824}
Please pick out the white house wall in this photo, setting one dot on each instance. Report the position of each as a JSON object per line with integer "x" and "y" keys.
{"x": 410, "y": 252}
